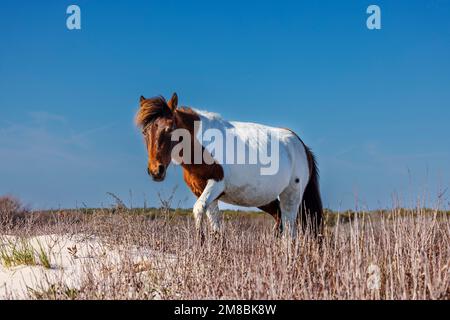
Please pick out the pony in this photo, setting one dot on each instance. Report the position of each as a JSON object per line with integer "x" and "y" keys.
{"x": 290, "y": 194}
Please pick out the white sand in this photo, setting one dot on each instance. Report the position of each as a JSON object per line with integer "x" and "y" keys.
{"x": 70, "y": 258}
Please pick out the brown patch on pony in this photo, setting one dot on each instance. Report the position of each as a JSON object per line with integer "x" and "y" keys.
{"x": 158, "y": 118}
{"x": 196, "y": 176}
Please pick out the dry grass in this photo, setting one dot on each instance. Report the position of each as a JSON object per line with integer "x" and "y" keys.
{"x": 395, "y": 254}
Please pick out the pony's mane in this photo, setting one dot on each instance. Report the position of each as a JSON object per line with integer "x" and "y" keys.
{"x": 152, "y": 109}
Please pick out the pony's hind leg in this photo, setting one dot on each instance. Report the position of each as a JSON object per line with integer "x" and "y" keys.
{"x": 290, "y": 200}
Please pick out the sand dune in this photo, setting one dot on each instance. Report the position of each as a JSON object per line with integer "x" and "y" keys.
{"x": 71, "y": 259}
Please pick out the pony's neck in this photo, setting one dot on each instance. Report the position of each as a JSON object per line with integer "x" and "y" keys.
{"x": 185, "y": 118}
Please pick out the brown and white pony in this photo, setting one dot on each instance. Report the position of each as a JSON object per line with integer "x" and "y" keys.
{"x": 290, "y": 192}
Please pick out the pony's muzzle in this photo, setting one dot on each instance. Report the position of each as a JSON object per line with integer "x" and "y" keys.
{"x": 160, "y": 173}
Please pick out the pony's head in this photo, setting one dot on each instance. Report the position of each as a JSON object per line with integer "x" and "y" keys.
{"x": 156, "y": 119}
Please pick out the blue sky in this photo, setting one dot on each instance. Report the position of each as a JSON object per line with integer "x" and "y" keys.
{"x": 373, "y": 105}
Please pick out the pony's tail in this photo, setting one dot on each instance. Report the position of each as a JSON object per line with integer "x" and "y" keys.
{"x": 311, "y": 210}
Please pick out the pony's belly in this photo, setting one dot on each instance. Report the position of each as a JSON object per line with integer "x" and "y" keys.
{"x": 244, "y": 200}
{"x": 253, "y": 194}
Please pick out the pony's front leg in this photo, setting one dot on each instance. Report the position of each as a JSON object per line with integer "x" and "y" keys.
{"x": 213, "y": 214}
{"x": 212, "y": 191}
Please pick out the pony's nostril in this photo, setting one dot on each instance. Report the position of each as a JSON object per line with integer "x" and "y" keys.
{"x": 148, "y": 172}
{"x": 160, "y": 169}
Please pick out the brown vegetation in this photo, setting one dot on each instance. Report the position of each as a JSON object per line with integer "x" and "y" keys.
{"x": 396, "y": 254}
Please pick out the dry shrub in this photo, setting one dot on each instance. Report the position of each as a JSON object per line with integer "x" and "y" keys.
{"x": 11, "y": 210}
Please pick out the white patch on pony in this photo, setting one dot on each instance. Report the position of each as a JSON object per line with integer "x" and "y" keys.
{"x": 244, "y": 184}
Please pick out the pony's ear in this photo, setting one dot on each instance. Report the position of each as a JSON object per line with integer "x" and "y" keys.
{"x": 173, "y": 103}
{"x": 142, "y": 98}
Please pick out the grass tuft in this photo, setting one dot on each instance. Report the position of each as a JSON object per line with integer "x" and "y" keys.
{"x": 21, "y": 253}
